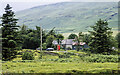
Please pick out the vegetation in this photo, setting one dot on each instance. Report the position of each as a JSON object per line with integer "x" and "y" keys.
{"x": 87, "y": 38}
{"x": 72, "y": 36}
{"x": 49, "y": 41}
{"x": 19, "y": 46}
{"x": 30, "y": 37}
{"x": 59, "y": 38}
{"x": 79, "y": 39}
{"x": 68, "y": 17}
{"x": 27, "y": 56}
{"x": 118, "y": 39}
{"x": 58, "y": 67}
{"x": 99, "y": 58}
{"x": 101, "y": 40}
{"x": 72, "y": 63}
{"x": 9, "y": 34}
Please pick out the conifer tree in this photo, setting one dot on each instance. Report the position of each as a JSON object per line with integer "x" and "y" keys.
{"x": 9, "y": 34}
{"x": 101, "y": 38}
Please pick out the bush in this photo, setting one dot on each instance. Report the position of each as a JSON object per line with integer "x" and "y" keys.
{"x": 69, "y": 48}
{"x": 27, "y": 56}
{"x": 99, "y": 58}
{"x": 64, "y": 56}
{"x": 70, "y": 53}
{"x": 40, "y": 57}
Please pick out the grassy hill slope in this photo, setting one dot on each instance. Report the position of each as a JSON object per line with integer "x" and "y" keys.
{"x": 70, "y": 16}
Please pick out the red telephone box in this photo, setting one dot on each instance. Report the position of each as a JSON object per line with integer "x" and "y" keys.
{"x": 58, "y": 47}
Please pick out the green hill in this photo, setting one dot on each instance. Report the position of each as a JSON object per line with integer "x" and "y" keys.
{"x": 70, "y": 16}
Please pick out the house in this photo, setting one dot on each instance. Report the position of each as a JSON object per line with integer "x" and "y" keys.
{"x": 70, "y": 44}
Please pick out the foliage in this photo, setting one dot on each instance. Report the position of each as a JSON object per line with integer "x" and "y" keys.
{"x": 58, "y": 67}
{"x": 99, "y": 58}
{"x": 72, "y": 36}
{"x": 59, "y": 38}
{"x": 69, "y": 48}
{"x": 31, "y": 38}
{"x": 118, "y": 39}
{"x": 101, "y": 38}
{"x": 49, "y": 41}
{"x": 79, "y": 39}
{"x": 9, "y": 34}
{"x": 65, "y": 55}
{"x": 27, "y": 55}
{"x": 96, "y": 63}
{"x": 86, "y": 38}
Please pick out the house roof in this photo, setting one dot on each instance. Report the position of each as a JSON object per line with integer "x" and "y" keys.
{"x": 68, "y": 42}
{"x": 55, "y": 42}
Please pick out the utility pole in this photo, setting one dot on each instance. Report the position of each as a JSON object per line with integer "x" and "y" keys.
{"x": 41, "y": 38}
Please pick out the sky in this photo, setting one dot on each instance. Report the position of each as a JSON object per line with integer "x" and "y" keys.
{"x": 18, "y": 5}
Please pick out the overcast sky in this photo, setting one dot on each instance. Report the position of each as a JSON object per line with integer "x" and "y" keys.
{"x": 25, "y": 4}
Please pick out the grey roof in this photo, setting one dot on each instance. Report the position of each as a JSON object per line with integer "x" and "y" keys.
{"x": 68, "y": 42}
{"x": 55, "y": 42}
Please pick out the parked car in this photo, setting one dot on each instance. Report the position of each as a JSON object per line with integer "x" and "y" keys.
{"x": 37, "y": 48}
{"x": 50, "y": 49}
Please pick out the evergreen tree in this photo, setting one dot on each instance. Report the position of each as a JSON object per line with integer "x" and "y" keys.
{"x": 101, "y": 37}
{"x": 86, "y": 38}
{"x": 117, "y": 37}
{"x": 9, "y": 34}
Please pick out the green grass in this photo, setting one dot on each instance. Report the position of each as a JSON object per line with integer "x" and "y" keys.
{"x": 74, "y": 51}
{"x": 53, "y": 64}
{"x": 56, "y": 67}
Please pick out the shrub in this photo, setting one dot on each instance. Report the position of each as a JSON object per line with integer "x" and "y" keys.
{"x": 70, "y": 53}
{"x": 40, "y": 57}
{"x": 99, "y": 58}
{"x": 69, "y": 48}
{"x": 27, "y": 56}
{"x": 65, "y": 55}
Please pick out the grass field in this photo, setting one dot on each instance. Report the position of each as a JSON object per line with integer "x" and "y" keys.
{"x": 52, "y": 64}
{"x": 58, "y": 67}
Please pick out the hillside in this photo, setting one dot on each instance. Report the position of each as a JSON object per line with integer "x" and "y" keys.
{"x": 69, "y": 16}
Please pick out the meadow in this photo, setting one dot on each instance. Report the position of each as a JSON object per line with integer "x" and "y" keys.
{"x": 62, "y": 62}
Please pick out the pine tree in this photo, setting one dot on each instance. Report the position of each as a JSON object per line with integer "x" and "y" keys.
{"x": 9, "y": 34}
{"x": 101, "y": 38}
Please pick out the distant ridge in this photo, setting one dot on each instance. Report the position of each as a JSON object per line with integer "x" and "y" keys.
{"x": 69, "y": 16}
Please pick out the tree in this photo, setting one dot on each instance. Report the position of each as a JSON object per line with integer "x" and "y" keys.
{"x": 31, "y": 37}
{"x": 49, "y": 41}
{"x": 23, "y": 30}
{"x": 86, "y": 38}
{"x": 72, "y": 36}
{"x": 9, "y": 34}
{"x": 51, "y": 32}
{"x": 59, "y": 38}
{"x": 101, "y": 37}
{"x": 79, "y": 39}
{"x": 117, "y": 37}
